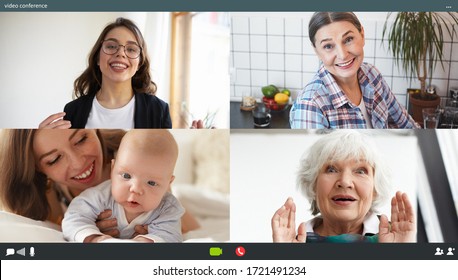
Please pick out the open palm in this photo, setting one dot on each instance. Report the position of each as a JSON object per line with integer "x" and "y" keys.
{"x": 284, "y": 224}
{"x": 403, "y": 227}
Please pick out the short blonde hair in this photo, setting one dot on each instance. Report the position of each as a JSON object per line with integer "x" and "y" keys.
{"x": 152, "y": 141}
{"x": 337, "y": 146}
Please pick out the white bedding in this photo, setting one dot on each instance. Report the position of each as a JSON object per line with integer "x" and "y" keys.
{"x": 15, "y": 228}
{"x": 210, "y": 208}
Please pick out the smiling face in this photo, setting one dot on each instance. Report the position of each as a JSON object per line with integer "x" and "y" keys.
{"x": 345, "y": 191}
{"x": 118, "y": 68}
{"x": 71, "y": 158}
{"x": 140, "y": 178}
{"x": 341, "y": 48}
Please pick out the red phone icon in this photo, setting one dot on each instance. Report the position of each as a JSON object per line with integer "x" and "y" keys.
{"x": 240, "y": 251}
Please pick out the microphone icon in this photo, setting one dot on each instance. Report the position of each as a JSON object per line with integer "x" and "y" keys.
{"x": 32, "y": 251}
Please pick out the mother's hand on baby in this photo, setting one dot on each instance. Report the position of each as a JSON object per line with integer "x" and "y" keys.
{"x": 55, "y": 121}
{"x": 140, "y": 230}
{"x": 106, "y": 225}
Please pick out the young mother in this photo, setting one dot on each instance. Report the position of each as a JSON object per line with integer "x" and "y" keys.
{"x": 45, "y": 169}
{"x": 346, "y": 92}
{"x": 116, "y": 89}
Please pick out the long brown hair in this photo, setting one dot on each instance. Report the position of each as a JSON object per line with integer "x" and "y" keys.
{"x": 91, "y": 80}
{"x": 22, "y": 187}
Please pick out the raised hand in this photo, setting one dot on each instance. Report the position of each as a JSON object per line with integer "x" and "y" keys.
{"x": 403, "y": 226}
{"x": 197, "y": 124}
{"x": 284, "y": 224}
{"x": 55, "y": 121}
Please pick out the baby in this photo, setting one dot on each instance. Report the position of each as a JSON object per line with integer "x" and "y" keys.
{"x": 138, "y": 193}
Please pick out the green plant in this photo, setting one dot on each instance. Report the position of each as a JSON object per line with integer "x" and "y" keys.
{"x": 416, "y": 40}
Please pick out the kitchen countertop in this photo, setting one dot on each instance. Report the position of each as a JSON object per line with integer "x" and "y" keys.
{"x": 244, "y": 119}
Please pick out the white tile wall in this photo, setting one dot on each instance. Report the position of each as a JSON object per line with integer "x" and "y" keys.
{"x": 293, "y": 27}
{"x": 384, "y": 65}
{"x": 268, "y": 49}
{"x": 293, "y": 62}
{"x": 259, "y": 78}
{"x": 240, "y": 25}
{"x": 274, "y": 77}
{"x": 293, "y": 45}
{"x": 275, "y": 26}
{"x": 258, "y": 43}
{"x": 240, "y": 43}
{"x": 369, "y": 48}
{"x": 399, "y": 85}
{"x": 258, "y": 61}
{"x": 293, "y": 79}
{"x": 243, "y": 77}
{"x": 454, "y": 52}
{"x": 310, "y": 63}
{"x": 258, "y": 26}
{"x": 242, "y": 60}
{"x": 454, "y": 71}
{"x": 275, "y": 61}
{"x": 275, "y": 44}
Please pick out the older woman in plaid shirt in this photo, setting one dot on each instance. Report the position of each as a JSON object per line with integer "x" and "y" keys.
{"x": 346, "y": 92}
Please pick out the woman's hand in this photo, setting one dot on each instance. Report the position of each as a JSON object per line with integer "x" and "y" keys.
{"x": 107, "y": 226}
{"x": 284, "y": 224}
{"x": 55, "y": 121}
{"x": 403, "y": 227}
{"x": 198, "y": 124}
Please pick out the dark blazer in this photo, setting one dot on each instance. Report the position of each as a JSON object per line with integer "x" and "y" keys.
{"x": 150, "y": 111}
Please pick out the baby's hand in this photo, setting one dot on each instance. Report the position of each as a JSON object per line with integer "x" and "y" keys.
{"x": 140, "y": 230}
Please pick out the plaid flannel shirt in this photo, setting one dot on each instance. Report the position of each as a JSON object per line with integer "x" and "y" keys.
{"x": 322, "y": 104}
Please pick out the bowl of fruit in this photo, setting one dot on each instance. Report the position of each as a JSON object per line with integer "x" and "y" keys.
{"x": 274, "y": 99}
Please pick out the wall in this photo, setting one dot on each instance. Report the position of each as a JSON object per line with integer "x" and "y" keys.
{"x": 274, "y": 48}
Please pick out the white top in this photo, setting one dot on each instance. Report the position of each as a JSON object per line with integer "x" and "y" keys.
{"x": 164, "y": 222}
{"x": 363, "y": 109}
{"x": 370, "y": 224}
{"x": 101, "y": 117}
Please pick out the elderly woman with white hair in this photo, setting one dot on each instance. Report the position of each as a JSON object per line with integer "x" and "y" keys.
{"x": 346, "y": 182}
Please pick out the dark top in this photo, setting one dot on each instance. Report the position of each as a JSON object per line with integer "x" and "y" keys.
{"x": 150, "y": 111}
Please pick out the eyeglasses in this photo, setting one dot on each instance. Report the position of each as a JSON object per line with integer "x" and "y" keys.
{"x": 132, "y": 51}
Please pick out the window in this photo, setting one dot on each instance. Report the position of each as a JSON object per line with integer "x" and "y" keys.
{"x": 200, "y": 63}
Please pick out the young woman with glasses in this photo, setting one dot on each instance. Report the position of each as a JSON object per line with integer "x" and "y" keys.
{"x": 116, "y": 89}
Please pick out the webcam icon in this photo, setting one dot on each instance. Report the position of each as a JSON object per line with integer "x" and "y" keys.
{"x": 216, "y": 251}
